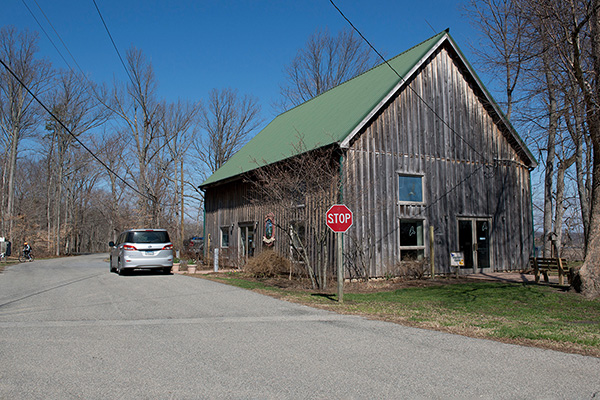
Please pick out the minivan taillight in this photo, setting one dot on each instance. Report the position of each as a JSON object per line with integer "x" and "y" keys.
{"x": 128, "y": 247}
{"x": 168, "y": 247}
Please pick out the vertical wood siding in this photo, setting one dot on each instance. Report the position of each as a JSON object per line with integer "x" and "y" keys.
{"x": 232, "y": 205}
{"x": 468, "y": 165}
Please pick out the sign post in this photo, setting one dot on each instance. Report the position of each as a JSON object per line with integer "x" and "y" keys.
{"x": 339, "y": 220}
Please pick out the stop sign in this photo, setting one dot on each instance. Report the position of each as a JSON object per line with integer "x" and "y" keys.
{"x": 339, "y": 218}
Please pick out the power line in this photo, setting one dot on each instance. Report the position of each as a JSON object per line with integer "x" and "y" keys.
{"x": 71, "y": 133}
{"x": 404, "y": 80}
{"x": 90, "y": 87}
{"x": 57, "y": 35}
{"x": 113, "y": 42}
{"x": 46, "y": 33}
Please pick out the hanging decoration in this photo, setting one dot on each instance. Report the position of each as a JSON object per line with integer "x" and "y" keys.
{"x": 269, "y": 237}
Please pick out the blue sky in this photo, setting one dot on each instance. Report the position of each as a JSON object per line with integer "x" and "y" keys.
{"x": 195, "y": 46}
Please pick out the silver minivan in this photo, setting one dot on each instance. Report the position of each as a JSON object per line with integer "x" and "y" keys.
{"x": 141, "y": 248}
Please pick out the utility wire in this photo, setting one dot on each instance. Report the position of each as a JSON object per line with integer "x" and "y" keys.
{"x": 404, "y": 80}
{"x": 58, "y": 36}
{"x": 113, "y": 42}
{"x": 91, "y": 84}
{"x": 46, "y": 33}
{"x": 71, "y": 133}
{"x": 90, "y": 87}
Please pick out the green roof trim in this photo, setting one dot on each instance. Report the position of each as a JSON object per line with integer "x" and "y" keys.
{"x": 324, "y": 120}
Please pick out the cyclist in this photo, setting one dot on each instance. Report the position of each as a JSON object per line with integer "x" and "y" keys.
{"x": 26, "y": 249}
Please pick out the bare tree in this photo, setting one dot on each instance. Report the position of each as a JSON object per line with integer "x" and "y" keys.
{"x": 138, "y": 109}
{"x": 562, "y": 64}
{"x": 109, "y": 148}
{"x": 301, "y": 189}
{"x": 78, "y": 110}
{"x": 18, "y": 112}
{"x": 179, "y": 128}
{"x": 324, "y": 62}
{"x": 228, "y": 121}
{"x": 503, "y": 53}
{"x": 590, "y": 271}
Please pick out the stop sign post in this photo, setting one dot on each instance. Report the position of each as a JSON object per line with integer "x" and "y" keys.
{"x": 339, "y": 220}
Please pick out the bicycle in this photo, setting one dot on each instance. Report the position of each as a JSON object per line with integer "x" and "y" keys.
{"x": 25, "y": 257}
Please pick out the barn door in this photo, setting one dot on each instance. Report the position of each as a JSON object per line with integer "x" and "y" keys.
{"x": 246, "y": 241}
{"x": 474, "y": 242}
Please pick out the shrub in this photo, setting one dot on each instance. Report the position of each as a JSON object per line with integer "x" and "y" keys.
{"x": 268, "y": 264}
{"x": 413, "y": 269}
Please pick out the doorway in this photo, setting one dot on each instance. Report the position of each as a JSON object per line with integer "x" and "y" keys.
{"x": 246, "y": 241}
{"x": 474, "y": 243}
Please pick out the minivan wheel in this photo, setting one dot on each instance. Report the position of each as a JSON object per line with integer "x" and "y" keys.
{"x": 110, "y": 265}
{"x": 120, "y": 271}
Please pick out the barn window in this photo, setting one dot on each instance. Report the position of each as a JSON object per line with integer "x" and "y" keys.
{"x": 411, "y": 240}
{"x": 410, "y": 188}
{"x": 225, "y": 236}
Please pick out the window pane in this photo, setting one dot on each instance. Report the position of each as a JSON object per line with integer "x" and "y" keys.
{"x": 411, "y": 188}
{"x": 150, "y": 237}
{"x": 224, "y": 237}
{"x": 411, "y": 233}
{"x": 412, "y": 255}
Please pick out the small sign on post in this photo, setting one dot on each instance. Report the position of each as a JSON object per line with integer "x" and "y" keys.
{"x": 457, "y": 260}
{"x": 339, "y": 220}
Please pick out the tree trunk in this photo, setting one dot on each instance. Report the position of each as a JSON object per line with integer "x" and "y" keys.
{"x": 551, "y": 151}
{"x": 14, "y": 148}
{"x": 560, "y": 195}
{"x": 582, "y": 189}
{"x": 589, "y": 274}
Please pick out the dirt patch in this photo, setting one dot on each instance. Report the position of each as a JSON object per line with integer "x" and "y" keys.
{"x": 358, "y": 286}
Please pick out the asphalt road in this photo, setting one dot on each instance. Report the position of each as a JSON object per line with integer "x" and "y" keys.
{"x": 69, "y": 329}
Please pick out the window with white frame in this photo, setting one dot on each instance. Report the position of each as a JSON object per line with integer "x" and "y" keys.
{"x": 410, "y": 188}
{"x": 412, "y": 245}
{"x": 224, "y": 236}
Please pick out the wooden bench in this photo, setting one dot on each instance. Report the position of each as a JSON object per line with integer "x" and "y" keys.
{"x": 542, "y": 265}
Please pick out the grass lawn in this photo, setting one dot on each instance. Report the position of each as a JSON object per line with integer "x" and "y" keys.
{"x": 527, "y": 314}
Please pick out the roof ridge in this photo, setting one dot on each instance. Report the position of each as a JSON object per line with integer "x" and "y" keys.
{"x": 384, "y": 62}
{"x": 346, "y": 108}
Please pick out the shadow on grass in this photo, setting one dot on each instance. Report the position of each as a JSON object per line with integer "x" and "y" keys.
{"x": 527, "y": 280}
{"x": 328, "y": 296}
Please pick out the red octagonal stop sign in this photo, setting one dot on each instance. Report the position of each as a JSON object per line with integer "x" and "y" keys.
{"x": 339, "y": 218}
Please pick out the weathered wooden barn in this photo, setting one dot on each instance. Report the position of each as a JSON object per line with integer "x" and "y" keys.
{"x": 418, "y": 143}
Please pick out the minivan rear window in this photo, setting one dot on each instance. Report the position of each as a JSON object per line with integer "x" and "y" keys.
{"x": 148, "y": 237}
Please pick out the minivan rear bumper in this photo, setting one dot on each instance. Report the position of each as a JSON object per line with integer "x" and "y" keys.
{"x": 138, "y": 259}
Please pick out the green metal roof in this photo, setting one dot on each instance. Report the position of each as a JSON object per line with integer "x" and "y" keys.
{"x": 326, "y": 119}
{"x": 334, "y": 115}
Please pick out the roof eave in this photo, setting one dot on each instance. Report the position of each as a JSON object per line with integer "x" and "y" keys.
{"x": 403, "y": 81}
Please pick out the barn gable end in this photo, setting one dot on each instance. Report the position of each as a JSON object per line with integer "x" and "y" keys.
{"x": 439, "y": 127}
